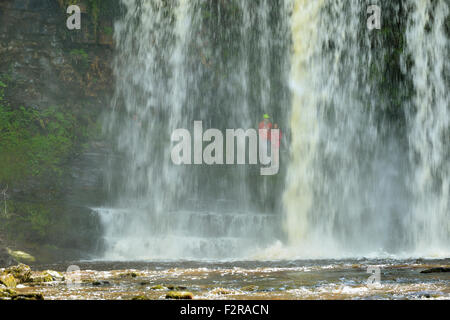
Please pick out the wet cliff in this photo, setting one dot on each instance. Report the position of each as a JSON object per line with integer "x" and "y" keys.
{"x": 54, "y": 85}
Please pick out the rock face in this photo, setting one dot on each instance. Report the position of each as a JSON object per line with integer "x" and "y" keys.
{"x": 44, "y": 65}
{"x": 48, "y": 63}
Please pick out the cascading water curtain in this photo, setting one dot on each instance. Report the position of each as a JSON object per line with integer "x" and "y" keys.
{"x": 348, "y": 188}
{"x": 176, "y": 62}
{"x": 429, "y": 126}
{"x": 368, "y": 166}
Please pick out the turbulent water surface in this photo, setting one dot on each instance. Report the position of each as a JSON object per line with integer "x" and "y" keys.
{"x": 303, "y": 279}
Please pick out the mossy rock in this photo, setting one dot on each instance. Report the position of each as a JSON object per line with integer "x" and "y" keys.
{"x": 158, "y": 287}
{"x": 8, "y": 280}
{"x": 41, "y": 278}
{"x": 250, "y": 288}
{"x": 221, "y": 291}
{"x": 21, "y": 272}
{"x": 47, "y": 276}
{"x": 21, "y": 256}
{"x": 28, "y": 296}
{"x": 7, "y": 293}
{"x": 179, "y": 295}
{"x": 130, "y": 275}
{"x": 56, "y": 276}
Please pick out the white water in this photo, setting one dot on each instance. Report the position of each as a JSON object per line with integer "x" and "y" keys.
{"x": 351, "y": 188}
{"x": 175, "y": 65}
{"x": 349, "y": 192}
{"x": 429, "y": 121}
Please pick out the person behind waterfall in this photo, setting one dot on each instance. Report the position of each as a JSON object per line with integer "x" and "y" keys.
{"x": 265, "y": 124}
{"x": 264, "y": 135}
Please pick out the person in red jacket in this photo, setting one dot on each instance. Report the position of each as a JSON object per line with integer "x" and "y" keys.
{"x": 265, "y": 124}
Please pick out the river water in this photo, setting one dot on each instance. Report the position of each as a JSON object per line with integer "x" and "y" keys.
{"x": 301, "y": 279}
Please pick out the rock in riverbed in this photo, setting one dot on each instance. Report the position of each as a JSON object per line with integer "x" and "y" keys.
{"x": 8, "y": 280}
{"x": 28, "y": 296}
{"x": 436, "y": 270}
{"x": 158, "y": 287}
{"x": 179, "y": 295}
{"x": 21, "y": 272}
{"x": 6, "y": 294}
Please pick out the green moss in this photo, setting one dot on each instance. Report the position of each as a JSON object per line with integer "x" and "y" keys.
{"x": 158, "y": 287}
{"x": 8, "y": 280}
{"x": 7, "y": 293}
{"x": 33, "y": 142}
{"x": 179, "y": 295}
{"x": 249, "y": 288}
{"x": 21, "y": 256}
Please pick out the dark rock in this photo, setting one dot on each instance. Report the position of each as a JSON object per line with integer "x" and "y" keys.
{"x": 173, "y": 287}
{"x": 28, "y": 296}
{"x": 100, "y": 283}
{"x": 7, "y": 293}
{"x": 436, "y": 270}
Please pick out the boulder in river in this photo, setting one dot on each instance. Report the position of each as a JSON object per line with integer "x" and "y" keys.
{"x": 436, "y": 270}
{"x": 7, "y": 294}
{"x": 158, "y": 287}
{"x": 21, "y": 272}
{"x": 179, "y": 295}
{"x": 56, "y": 276}
{"x": 8, "y": 280}
{"x": 28, "y": 296}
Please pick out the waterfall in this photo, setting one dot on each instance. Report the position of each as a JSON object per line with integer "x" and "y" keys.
{"x": 429, "y": 126}
{"x": 177, "y": 62}
{"x": 354, "y": 179}
{"x": 334, "y": 202}
{"x": 349, "y": 191}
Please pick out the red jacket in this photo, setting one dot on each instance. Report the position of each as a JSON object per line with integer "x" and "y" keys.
{"x": 268, "y": 126}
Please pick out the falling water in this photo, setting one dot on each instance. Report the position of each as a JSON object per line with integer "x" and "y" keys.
{"x": 348, "y": 191}
{"x": 355, "y": 184}
{"x": 180, "y": 61}
{"x": 429, "y": 125}
{"x": 335, "y": 202}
